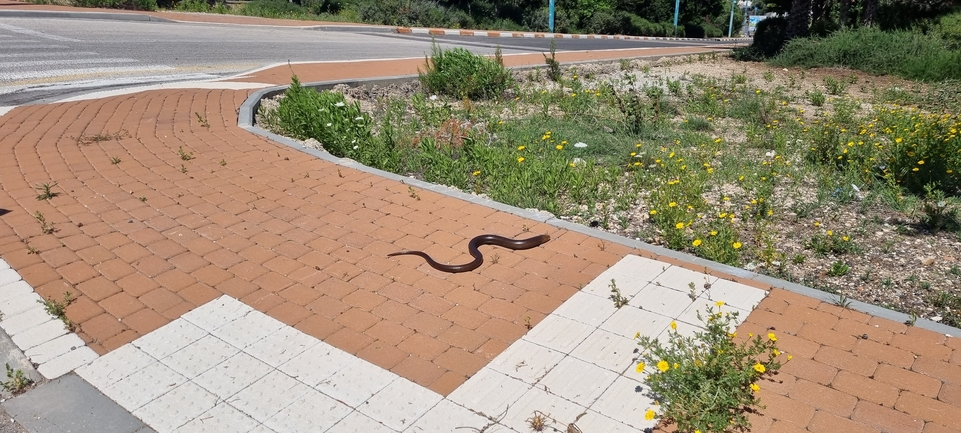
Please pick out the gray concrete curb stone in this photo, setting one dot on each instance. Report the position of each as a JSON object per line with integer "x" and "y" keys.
{"x": 71, "y": 405}
{"x": 82, "y": 15}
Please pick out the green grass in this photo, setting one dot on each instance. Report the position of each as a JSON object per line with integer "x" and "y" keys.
{"x": 906, "y": 54}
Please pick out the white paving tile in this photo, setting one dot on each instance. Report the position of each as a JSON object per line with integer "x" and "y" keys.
{"x": 586, "y": 308}
{"x": 67, "y": 362}
{"x": 221, "y": 418}
{"x": 679, "y": 278}
{"x": 578, "y": 381}
{"x": 234, "y": 374}
{"x": 311, "y": 412}
{"x": 595, "y": 422}
{"x": 701, "y": 307}
{"x": 118, "y": 364}
{"x": 662, "y": 300}
{"x": 8, "y": 276}
{"x": 177, "y": 407}
{"x": 558, "y": 411}
{"x": 447, "y": 417}
{"x": 262, "y": 429}
{"x": 526, "y": 361}
{"x": 169, "y": 338}
{"x": 17, "y": 304}
{"x": 559, "y": 333}
{"x": 489, "y": 392}
{"x": 735, "y": 294}
{"x": 629, "y": 320}
{"x": 39, "y": 334}
{"x": 281, "y": 346}
{"x": 607, "y": 350}
{"x": 627, "y": 285}
{"x": 247, "y": 329}
{"x": 400, "y": 404}
{"x": 144, "y": 385}
{"x": 217, "y": 313}
{"x": 14, "y": 289}
{"x": 200, "y": 356}
{"x": 316, "y": 364}
{"x": 268, "y": 395}
{"x": 357, "y": 422}
{"x": 53, "y": 348}
{"x": 4, "y": 265}
{"x": 625, "y": 401}
{"x": 26, "y": 320}
{"x": 356, "y": 382}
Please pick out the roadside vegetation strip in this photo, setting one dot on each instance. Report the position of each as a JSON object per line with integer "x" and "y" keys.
{"x": 815, "y": 178}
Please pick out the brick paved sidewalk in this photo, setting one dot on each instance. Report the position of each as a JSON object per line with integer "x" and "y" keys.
{"x": 197, "y": 207}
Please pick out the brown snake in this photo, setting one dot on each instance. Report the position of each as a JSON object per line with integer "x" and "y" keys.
{"x": 514, "y": 244}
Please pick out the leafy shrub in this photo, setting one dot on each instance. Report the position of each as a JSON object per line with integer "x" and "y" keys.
{"x": 910, "y": 55}
{"x": 193, "y": 6}
{"x": 272, "y": 9}
{"x": 412, "y": 13}
{"x": 823, "y": 27}
{"x": 461, "y": 74}
{"x": 769, "y": 39}
{"x": 145, "y": 5}
{"x": 707, "y": 382}
{"x": 949, "y": 29}
{"x": 340, "y": 127}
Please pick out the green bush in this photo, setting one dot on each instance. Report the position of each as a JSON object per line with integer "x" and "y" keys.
{"x": 769, "y": 39}
{"x": 906, "y": 54}
{"x": 461, "y": 74}
{"x": 143, "y": 5}
{"x": 340, "y": 127}
{"x": 949, "y": 29}
{"x": 193, "y": 6}
{"x": 272, "y": 9}
{"x": 823, "y": 27}
{"x": 411, "y": 13}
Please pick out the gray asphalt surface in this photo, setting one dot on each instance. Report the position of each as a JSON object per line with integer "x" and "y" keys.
{"x": 42, "y": 58}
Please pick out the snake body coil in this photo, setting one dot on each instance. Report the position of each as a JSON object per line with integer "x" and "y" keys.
{"x": 514, "y": 244}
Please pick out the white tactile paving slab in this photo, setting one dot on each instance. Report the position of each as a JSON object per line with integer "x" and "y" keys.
{"x": 226, "y": 367}
{"x": 44, "y": 339}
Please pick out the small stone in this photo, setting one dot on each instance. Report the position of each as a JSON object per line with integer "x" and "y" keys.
{"x": 936, "y": 319}
{"x": 927, "y": 261}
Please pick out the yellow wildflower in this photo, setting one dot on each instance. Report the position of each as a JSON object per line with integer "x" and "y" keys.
{"x": 755, "y": 388}
{"x": 679, "y": 225}
{"x": 640, "y": 367}
{"x": 736, "y": 245}
{"x": 696, "y": 243}
{"x": 664, "y": 366}
{"x": 771, "y": 336}
{"x": 673, "y": 325}
{"x": 521, "y": 159}
{"x": 649, "y": 415}
{"x": 759, "y": 368}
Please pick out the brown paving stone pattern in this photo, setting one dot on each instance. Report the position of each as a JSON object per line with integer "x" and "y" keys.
{"x": 852, "y": 372}
{"x": 143, "y": 241}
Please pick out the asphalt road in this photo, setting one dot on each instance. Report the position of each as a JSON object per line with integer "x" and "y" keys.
{"x": 45, "y": 59}
{"x": 42, "y": 59}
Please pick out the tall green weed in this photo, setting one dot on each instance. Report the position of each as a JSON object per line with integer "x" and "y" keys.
{"x": 462, "y": 74}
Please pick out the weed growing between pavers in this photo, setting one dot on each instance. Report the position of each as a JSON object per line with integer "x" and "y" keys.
{"x": 58, "y": 309}
{"x": 743, "y": 171}
{"x": 46, "y": 191}
{"x": 708, "y": 382}
{"x": 17, "y": 382}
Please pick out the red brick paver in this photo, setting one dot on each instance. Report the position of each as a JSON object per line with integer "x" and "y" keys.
{"x": 305, "y": 241}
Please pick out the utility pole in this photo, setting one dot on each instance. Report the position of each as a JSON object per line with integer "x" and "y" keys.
{"x": 550, "y": 16}
{"x": 677, "y": 10}
{"x": 730, "y": 25}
